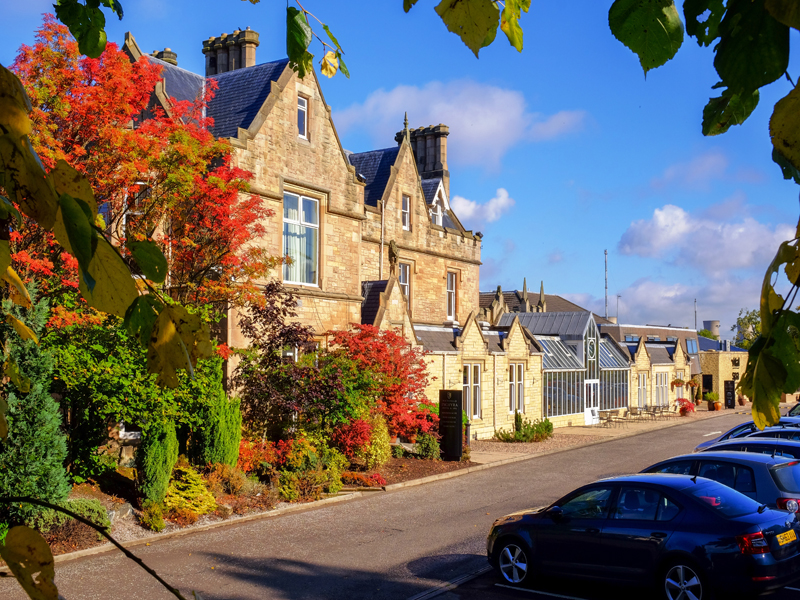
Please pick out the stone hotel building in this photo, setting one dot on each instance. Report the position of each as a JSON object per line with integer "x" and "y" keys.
{"x": 373, "y": 239}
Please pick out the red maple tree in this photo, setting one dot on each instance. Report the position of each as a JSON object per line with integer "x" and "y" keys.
{"x": 155, "y": 175}
{"x": 401, "y": 374}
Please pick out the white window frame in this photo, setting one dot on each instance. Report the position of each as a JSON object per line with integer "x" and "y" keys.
{"x": 302, "y": 110}
{"x": 516, "y": 387}
{"x": 436, "y": 213}
{"x": 404, "y": 278}
{"x": 308, "y": 225}
{"x": 678, "y": 375}
{"x": 642, "y": 394}
{"x": 471, "y": 386}
{"x": 452, "y": 287}
{"x": 405, "y": 212}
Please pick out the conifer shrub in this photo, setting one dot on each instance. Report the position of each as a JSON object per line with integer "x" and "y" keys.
{"x": 32, "y": 455}
{"x": 152, "y": 516}
{"x": 216, "y": 439}
{"x": 428, "y": 447}
{"x": 156, "y": 458}
{"x": 188, "y": 492}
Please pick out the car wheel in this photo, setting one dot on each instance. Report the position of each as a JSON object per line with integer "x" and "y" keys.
{"x": 682, "y": 580}
{"x": 513, "y": 563}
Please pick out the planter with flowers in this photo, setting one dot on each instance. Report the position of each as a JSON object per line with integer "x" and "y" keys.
{"x": 684, "y": 406}
{"x": 713, "y": 401}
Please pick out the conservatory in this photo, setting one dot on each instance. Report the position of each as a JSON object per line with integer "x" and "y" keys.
{"x": 582, "y": 370}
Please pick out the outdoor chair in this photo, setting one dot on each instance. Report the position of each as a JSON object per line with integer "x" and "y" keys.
{"x": 606, "y": 420}
{"x": 618, "y": 416}
{"x": 635, "y": 413}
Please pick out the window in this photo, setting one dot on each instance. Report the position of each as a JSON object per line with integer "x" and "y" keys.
{"x": 563, "y": 393}
{"x": 631, "y": 338}
{"x": 662, "y": 389}
{"x": 436, "y": 213}
{"x": 732, "y": 475}
{"x": 672, "y": 338}
{"x": 614, "y": 388}
{"x": 451, "y": 296}
{"x": 691, "y": 346}
{"x": 642, "y": 390}
{"x": 302, "y": 117}
{"x": 679, "y": 467}
{"x": 653, "y": 338}
{"x": 404, "y": 279}
{"x": 591, "y": 504}
{"x": 472, "y": 390}
{"x": 406, "y": 214}
{"x": 300, "y": 239}
{"x": 516, "y": 387}
{"x": 679, "y": 391}
{"x": 637, "y": 504}
{"x": 135, "y": 201}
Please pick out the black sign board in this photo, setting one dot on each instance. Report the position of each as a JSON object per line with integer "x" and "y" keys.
{"x": 450, "y": 424}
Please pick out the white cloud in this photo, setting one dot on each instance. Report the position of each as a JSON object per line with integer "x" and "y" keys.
{"x": 696, "y": 174}
{"x": 485, "y": 121}
{"x": 711, "y": 245}
{"x": 477, "y": 214}
{"x": 647, "y": 301}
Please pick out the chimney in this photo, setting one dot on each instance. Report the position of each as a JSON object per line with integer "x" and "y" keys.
{"x": 430, "y": 151}
{"x": 230, "y": 51}
{"x": 167, "y": 55}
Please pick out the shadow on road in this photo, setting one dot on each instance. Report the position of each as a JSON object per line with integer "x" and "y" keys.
{"x": 242, "y": 579}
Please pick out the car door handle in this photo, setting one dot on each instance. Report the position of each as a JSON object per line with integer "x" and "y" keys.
{"x": 658, "y": 534}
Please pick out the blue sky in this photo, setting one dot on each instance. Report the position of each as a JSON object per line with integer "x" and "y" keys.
{"x": 555, "y": 154}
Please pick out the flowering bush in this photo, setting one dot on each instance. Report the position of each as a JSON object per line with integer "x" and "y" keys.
{"x": 256, "y": 457}
{"x": 686, "y": 406}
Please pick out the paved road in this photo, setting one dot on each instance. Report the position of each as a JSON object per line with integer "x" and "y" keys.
{"x": 392, "y": 545}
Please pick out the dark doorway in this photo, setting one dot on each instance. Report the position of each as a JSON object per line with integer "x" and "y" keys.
{"x": 730, "y": 395}
{"x": 708, "y": 383}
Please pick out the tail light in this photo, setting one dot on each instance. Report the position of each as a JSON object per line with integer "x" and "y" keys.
{"x": 753, "y": 543}
{"x": 789, "y": 504}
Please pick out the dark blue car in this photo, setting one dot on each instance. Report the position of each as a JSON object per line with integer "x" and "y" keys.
{"x": 689, "y": 536}
{"x": 744, "y": 430}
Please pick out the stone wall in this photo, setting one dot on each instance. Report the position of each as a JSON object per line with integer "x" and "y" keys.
{"x": 719, "y": 365}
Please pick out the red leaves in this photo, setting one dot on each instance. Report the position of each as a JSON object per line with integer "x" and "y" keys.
{"x": 352, "y": 437}
{"x": 401, "y": 372}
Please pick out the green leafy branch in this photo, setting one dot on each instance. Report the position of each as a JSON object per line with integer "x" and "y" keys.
{"x": 299, "y": 36}
{"x": 31, "y": 562}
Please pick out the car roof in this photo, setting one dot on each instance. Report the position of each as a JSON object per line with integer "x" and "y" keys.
{"x": 732, "y": 455}
{"x": 670, "y": 480}
{"x": 758, "y": 441}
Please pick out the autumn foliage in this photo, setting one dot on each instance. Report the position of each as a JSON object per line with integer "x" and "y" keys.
{"x": 156, "y": 174}
{"x": 400, "y": 372}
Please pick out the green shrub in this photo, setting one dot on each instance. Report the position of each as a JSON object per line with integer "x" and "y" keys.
{"x": 329, "y": 458}
{"x": 302, "y": 486}
{"x": 379, "y": 450}
{"x": 226, "y": 480}
{"x": 188, "y": 491}
{"x": 156, "y": 458}
{"x": 3, "y": 532}
{"x": 217, "y": 439}
{"x": 32, "y": 455}
{"x": 712, "y": 396}
{"x": 428, "y": 447}
{"x": 88, "y": 508}
{"x": 152, "y": 516}
{"x": 526, "y": 431}
{"x": 398, "y": 451}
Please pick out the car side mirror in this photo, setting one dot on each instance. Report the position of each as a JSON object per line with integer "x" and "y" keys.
{"x": 556, "y": 513}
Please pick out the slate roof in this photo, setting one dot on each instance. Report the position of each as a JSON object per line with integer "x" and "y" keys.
{"x": 371, "y": 292}
{"x": 437, "y": 339}
{"x": 708, "y": 344}
{"x": 240, "y": 95}
{"x": 375, "y": 167}
{"x": 180, "y": 84}
{"x": 494, "y": 340}
{"x": 429, "y": 187}
{"x": 659, "y": 354}
{"x": 513, "y": 300}
{"x": 564, "y": 324}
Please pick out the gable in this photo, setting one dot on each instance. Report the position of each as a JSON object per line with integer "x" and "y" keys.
{"x": 375, "y": 168}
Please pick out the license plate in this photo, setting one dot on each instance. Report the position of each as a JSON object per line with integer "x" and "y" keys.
{"x": 785, "y": 538}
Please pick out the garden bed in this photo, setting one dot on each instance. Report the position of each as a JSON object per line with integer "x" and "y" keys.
{"x": 398, "y": 470}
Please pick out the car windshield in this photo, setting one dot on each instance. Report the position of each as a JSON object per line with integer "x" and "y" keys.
{"x": 740, "y": 431}
{"x": 787, "y": 477}
{"x": 795, "y": 411}
{"x": 723, "y": 500}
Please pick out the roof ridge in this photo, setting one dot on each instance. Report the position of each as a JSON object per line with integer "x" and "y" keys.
{"x": 171, "y": 66}
{"x": 248, "y": 69}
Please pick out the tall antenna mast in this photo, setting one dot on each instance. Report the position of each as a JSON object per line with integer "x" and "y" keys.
{"x": 606, "y": 253}
{"x": 695, "y": 314}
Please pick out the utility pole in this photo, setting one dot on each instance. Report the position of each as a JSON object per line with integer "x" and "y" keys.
{"x": 606, "y": 253}
{"x": 695, "y": 314}
{"x": 618, "y": 297}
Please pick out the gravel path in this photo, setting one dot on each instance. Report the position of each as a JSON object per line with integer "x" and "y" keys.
{"x": 557, "y": 442}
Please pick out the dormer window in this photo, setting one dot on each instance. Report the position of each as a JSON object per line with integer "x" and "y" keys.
{"x": 406, "y": 213}
{"x": 436, "y": 213}
{"x": 302, "y": 117}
